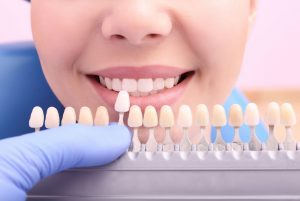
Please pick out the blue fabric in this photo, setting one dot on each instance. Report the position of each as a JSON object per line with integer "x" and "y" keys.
{"x": 23, "y": 86}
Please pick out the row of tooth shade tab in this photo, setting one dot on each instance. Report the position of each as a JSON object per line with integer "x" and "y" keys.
{"x": 283, "y": 115}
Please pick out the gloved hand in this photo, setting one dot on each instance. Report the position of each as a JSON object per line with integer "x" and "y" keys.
{"x": 27, "y": 159}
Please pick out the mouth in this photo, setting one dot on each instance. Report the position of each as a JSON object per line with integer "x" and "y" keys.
{"x": 148, "y": 85}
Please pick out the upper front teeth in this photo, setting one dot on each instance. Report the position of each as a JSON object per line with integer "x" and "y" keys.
{"x": 142, "y": 86}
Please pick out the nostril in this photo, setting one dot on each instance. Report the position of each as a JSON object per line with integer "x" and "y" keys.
{"x": 117, "y": 36}
{"x": 153, "y": 35}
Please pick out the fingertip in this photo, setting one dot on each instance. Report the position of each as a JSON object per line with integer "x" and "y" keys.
{"x": 123, "y": 130}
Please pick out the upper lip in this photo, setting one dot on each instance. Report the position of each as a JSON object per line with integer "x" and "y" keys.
{"x": 150, "y": 71}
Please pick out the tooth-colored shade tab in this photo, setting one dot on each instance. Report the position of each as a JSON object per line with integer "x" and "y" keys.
{"x": 185, "y": 117}
{"x": 52, "y": 118}
{"x": 251, "y": 115}
{"x": 108, "y": 83}
{"x": 273, "y": 114}
{"x": 166, "y": 117}
{"x": 85, "y": 116}
{"x": 218, "y": 116}
{"x": 135, "y": 117}
{"x": 150, "y": 117}
{"x": 122, "y": 103}
{"x": 129, "y": 85}
{"x": 69, "y": 116}
{"x": 169, "y": 83}
{"x": 288, "y": 116}
{"x": 236, "y": 118}
{"x": 36, "y": 118}
{"x": 101, "y": 117}
{"x": 159, "y": 84}
{"x": 201, "y": 116}
{"x": 145, "y": 85}
{"x": 116, "y": 84}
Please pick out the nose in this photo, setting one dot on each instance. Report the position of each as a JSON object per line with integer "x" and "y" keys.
{"x": 136, "y": 21}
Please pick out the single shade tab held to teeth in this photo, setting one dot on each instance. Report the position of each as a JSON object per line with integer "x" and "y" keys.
{"x": 122, "y": 105}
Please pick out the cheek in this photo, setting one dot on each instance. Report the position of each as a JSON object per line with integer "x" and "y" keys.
{"x": 219, "y": 44}
{"x": 59, "y": 36}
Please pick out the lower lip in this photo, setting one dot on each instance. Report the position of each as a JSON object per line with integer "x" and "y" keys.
{"x": 166, "y": 97}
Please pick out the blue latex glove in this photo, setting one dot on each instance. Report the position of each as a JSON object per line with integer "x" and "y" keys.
{"x": 27, "y": 159}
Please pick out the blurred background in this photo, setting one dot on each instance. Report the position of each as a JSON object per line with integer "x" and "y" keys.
{"x": 271, "y": 69}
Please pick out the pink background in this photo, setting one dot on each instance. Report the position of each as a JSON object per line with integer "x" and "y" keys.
{"x": 272, "y": 57}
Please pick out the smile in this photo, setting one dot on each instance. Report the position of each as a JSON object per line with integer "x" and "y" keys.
{"x": 148, "y": 85}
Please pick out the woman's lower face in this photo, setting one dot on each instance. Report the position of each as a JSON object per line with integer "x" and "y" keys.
{"x": 162, "y": 52}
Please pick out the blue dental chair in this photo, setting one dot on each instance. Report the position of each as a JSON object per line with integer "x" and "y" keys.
{"x": 23, "y": 86}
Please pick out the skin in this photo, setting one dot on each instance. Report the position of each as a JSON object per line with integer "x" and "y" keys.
{"x": 74, "y": 38}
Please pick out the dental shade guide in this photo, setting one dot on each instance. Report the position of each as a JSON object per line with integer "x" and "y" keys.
{"x": 185, "y": 121}
{"x": 288, "y": 120}
{"x": 252, "y": 120}
{"x": 236, "y": 120}
{"x": 151, "y": 121}
{"x": 36, "y": 120}
{"x": 135, "y": 121}
{"x": 122, "y": 105}
{"x": 218, "y": 121}
{"x": 187, "y": 173}
{"x": 272, "y": 120}
{"x": 202, "y": 122}
{"x": 166, "y": 121}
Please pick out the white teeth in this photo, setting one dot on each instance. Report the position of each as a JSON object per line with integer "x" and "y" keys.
{"x": 176, "y": 80}
{"x": 129, "y": 85}
{"x": 169, "y": 83}
{"x": 116, "y": 84}
{"x": 139, "y": 87}
{"x": 108, "y": 83}
{"x": 145, "y": 85}
{"x": 102, "y": 81}
{"x": 158, "y": 84}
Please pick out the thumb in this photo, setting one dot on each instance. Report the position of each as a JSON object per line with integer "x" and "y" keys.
{"x": 27, "y": 159}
